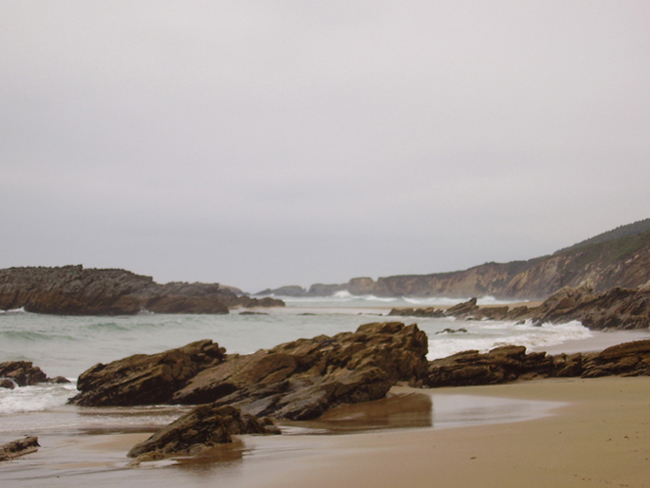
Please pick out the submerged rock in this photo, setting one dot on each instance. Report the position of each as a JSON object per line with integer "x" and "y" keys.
{"x": 18, "y": 448}
{"x": 202, "y": 428}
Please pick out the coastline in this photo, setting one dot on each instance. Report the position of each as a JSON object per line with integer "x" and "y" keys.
{"x": 531, "y": 451}
{"x": 600, "y": 437}
{"x": 591, "y": 431}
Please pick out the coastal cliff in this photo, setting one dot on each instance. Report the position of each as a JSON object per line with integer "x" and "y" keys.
{"x": 620, "y": 257}
{"x": 74, "y": 290}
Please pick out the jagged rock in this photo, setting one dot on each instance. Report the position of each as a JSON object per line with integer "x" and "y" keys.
{"x": 301, "y": 379}
{"x": 509, "y": 363}
{"x": 23, "y": 373}
{"x": 146, "y": 379}
{"x": 200, "y": 429}
{"x": 460, "y": 330}
{"x": 18, "y": 448}
{"x": 7, "y": 383}
{"x": 463, "y": 309}
{"x": 629, "y": 359}
{"x": 73, "y": 290}
{"x": 297, "y": 380}
{"x": 417, "y": 312}
{"x": 506, "y": 363}
{"x": 618, "y": 308}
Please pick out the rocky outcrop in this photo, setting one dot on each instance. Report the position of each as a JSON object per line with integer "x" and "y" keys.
{"x": 509, "y": 363}
{"x": 618, "y": 308}
{"x": 18, "y": 448}
{"x": 468, "y": 310}
{"x": 146, "y": 379}
{"x": 201, "y": 429}
{"x": 73, "y": 290}
{"x": 301, "y": 379}
{"x": 296, "y": 380}
{"x": 24, "y": 373}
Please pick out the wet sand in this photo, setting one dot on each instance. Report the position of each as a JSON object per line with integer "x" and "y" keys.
{"x": 541, "y": 433}
{"x": 600, "y": 437}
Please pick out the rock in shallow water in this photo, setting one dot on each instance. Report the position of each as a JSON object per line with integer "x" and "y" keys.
{"x": 203, "y": 428}
{"x": 18, "y": 448}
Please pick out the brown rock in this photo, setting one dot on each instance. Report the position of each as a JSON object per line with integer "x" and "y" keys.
{"x": 18, "y": 448}
{"x": 145, "y": 379}
{"x": 23, "y": 373}
{"x": 301, "y": 379}
{"x": 203, "y": 428}
{"x": 618, "y": 308}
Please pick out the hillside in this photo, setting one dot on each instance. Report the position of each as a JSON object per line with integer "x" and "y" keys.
{"x": 620, "y": 257}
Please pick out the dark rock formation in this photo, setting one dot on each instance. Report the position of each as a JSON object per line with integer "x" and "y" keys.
{"x": 417, "y": 312}
{"x": 300, "y": 380}
{"x": 73, "y": 290}
{"x": 618, "y": 308}
{"x": 22, "y": 373}
{"x": 500, "y": 365}
{"x": 18, "y": 448}
{"x": 468, "y": 310}
{"x": 146, "y": 379}
{"x": 203, "y": 428}
{"x": 296, "y": 380}
{"x": 510, "y": 363}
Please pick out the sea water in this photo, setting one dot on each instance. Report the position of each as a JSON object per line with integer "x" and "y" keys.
{"x": 67, "y": 346}
{"x": 71, "y": 435}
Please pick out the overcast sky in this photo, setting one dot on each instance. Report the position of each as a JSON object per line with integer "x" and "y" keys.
{"x": 260, "y": 144}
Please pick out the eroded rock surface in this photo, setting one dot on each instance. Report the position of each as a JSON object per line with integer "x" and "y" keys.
{"x": 19, "y": 448}
{"x": 296, "y": 380}
{"x": 146, "y": 379}
{"x": 301, "y": 379}
{"x": 74, "y": 290}
{"x": 24, "y": 373}
{"x": 202, "y": 428}
{"x": 509, "y": 363}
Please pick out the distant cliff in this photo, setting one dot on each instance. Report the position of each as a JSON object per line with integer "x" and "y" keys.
{"x": 620, "y": 257}
{"x": 73, "y": 290}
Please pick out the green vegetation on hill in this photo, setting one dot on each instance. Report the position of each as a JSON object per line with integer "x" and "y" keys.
{"x": 639, "y": 227}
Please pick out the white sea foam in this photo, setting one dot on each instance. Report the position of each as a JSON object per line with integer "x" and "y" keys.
{"x": 486, "y": 335}
{"x": 35, "y": 398}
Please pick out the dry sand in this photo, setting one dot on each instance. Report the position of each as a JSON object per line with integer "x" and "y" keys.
{"x": 601, "y": 437}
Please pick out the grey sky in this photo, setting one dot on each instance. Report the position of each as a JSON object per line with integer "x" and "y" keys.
{"x": 260, "y": 144}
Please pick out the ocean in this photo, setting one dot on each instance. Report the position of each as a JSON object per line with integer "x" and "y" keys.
{"x": 67, "y": 346}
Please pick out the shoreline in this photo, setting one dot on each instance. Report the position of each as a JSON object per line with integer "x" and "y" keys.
{"x": 571, "y": 430}
{"x": 600, "y": 437}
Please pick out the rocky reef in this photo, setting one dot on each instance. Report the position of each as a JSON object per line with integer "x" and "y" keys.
{"x": 615, "y": 309}
{"x": 74, "y": 290}
{"x": 298, "y": 380}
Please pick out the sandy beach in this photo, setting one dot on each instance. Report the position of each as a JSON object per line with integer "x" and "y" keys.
{"x": 599, "y": 437}
{"x": 566, "y": 433}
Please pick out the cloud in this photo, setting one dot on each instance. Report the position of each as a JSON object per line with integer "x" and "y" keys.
{"x": 253, "y": 143}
